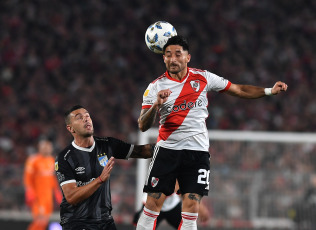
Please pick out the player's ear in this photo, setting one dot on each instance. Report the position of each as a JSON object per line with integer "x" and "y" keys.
{"x": 70, "y": 128}
{"x": 188, "y": 58}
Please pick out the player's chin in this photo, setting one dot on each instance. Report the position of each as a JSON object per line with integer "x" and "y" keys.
{"x": 89, "y": 134}
{"x": 173, "y": 71}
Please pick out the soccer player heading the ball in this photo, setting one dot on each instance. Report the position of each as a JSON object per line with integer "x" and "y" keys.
{"x": 181, "y": 151}
{"x": 83, "y": 171}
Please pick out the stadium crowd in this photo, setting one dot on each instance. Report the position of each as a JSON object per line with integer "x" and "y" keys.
{"x": 54, "y": 54}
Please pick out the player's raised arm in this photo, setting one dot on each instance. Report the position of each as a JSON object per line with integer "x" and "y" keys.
{"x": 252, "y": 92}
{"x": 148, "y": 116}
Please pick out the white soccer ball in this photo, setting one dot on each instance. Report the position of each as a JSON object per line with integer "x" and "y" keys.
{"x": 157, "y": 34}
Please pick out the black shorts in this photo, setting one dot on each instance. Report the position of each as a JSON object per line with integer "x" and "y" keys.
{"x": 190, "y": 167}
{"x": 107, "y": 224}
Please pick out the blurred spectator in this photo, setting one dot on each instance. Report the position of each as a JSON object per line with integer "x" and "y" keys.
{"x": 41, "y": 185}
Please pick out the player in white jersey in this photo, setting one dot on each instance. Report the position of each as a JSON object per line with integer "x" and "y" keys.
{"x": 182, "y": 116}
{"x": 181, "y": 152}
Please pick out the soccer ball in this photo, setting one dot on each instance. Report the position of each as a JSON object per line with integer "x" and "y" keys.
{"x": 157, "y": 35}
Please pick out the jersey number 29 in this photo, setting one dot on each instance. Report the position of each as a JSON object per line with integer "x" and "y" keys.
{"x": 204, "y": 178}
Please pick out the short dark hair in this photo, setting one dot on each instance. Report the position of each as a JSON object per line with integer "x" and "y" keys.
{"x": 73, "y": 108}
{"x": 177, "y": 40}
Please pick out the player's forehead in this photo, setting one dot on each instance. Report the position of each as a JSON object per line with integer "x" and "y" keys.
{"x": 79, "y": 112}
{"x": 174, "y": 49}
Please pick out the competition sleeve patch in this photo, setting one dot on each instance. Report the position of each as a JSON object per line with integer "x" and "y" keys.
{"x": 103, "y": 159}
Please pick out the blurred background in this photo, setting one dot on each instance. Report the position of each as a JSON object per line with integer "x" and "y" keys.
{"x": 55, "y": 54}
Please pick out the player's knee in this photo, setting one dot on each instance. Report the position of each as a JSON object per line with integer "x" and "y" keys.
{"x": 191, "y": 202}
{"x": 155, "y": 201}
{"x": 153, "y": 206}
{"x": 192, "y": 207}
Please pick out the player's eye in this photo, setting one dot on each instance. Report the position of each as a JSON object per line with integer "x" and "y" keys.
{"x": 79, "y": 117}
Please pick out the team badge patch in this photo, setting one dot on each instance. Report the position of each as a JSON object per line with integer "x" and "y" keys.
{"x": 56, "y": 166}
{"x": 154, "y": 181}
{"x": 103, "y": 159}
{"x": 146, "y": 93}
{"x": 195, "y": 85}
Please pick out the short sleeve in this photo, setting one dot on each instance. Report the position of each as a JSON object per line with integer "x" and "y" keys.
{"x": 150, "y": 96}
{"x": 64, "y": 171}
{"x": 120, "y": 149}
{"x": 216, "y": 83}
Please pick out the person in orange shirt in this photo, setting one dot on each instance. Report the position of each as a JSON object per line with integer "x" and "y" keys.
{"x": 41, "y": 185}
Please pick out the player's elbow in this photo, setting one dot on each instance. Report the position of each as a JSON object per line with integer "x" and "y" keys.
{"x": 71, "y": 193}
{"x": 142, "y": 127}
{"x": 72, "y": 200}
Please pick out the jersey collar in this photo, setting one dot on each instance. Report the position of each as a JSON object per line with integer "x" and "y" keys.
{"x": 172, "y": 79}
{"x": 83, "y": 149}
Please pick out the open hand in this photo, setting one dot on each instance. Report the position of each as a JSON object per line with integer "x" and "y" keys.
{"x": 107, "y": 170}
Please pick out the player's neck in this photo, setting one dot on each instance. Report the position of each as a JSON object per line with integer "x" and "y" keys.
{"x": 178, "y": 76}
{"x": 84, "y": 142}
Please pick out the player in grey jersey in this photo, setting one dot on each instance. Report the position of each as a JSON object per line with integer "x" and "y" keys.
{"x": 83, "y": 170}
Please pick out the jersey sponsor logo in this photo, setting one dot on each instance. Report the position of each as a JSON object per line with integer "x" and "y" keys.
{"x": 154, "y": 181}
{"x": 80, "y": 170}
{"x": 103, "y": 159}
{"x": 184, "y": 106}
{"x": 175, "y": 118}
{"x": 81, "y": 183}
{"x": 195, "y": 84}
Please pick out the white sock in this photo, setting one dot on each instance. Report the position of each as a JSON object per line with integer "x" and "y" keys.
{"x": 147, "y": 220}
{"x": 188, "y": 221}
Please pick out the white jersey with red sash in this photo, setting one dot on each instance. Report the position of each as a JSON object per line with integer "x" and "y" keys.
{"x": 183, "y": 115}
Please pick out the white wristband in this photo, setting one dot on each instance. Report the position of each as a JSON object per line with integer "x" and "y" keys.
{"x": 268, "y": 91}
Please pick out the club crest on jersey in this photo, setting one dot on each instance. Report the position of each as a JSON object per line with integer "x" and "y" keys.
{"x": 195, "y": 85}
{"x": 154, "y": 181}
{"x": 56, "y": 166}
{"x": 103, "y": 159}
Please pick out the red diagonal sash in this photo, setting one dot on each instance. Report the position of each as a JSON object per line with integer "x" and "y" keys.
{"x": 187, "y": 95}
